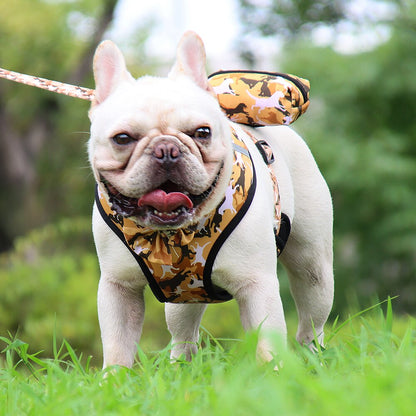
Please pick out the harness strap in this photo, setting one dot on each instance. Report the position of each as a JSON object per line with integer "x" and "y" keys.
{"x": 283, "y": 235}
{"x": 284, "y": 226}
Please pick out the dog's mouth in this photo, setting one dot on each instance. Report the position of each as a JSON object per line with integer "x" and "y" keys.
{"x": 169, "y": 205}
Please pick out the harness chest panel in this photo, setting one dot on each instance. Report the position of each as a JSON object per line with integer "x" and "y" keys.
{"x": 178, "y": 265}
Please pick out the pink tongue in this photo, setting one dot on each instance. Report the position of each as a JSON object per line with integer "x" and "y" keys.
{"x": 164, "y": 202}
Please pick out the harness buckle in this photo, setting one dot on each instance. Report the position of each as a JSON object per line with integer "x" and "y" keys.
{"x": 266, "y": 151}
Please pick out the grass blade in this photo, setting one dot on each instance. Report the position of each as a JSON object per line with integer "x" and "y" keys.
{"x": 74, "y": 358}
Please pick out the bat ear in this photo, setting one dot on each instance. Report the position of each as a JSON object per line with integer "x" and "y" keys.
{"x": 109, "y": 70}
{"x": 191, "y": 61}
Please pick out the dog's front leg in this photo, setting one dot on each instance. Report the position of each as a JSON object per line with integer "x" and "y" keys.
{"x": 183, "y": 323}
{"x": 261, "y": 308}
{"x": 121, "y": 314}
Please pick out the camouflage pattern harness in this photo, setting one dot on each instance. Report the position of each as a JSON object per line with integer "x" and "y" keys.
{"x": 178, "y": 264}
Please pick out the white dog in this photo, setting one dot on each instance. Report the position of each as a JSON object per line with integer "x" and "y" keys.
{"x": 165, "y": 159}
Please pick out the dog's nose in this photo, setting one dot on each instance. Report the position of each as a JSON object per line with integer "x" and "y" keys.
{"x": 167, "y": 152}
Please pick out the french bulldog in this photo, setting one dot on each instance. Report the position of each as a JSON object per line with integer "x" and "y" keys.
{"x": 162, "y": 154}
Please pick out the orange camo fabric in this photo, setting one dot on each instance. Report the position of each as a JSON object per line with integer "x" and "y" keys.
{"x": 261, "y": 98}
{"x": 180, "y": 263}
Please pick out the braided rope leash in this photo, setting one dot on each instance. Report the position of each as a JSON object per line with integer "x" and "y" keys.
{"x": 46, "y": 84}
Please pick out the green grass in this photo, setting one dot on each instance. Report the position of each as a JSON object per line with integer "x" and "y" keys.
{"x": 367, "y": 368}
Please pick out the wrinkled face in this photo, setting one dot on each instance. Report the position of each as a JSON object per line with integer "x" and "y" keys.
{"x": 160, "y": 149}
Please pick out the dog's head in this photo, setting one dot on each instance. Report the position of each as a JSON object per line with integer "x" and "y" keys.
{"x": 160, "y": 148}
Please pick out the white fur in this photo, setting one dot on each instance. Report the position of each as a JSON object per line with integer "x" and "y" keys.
{"x": 246, "y": 264}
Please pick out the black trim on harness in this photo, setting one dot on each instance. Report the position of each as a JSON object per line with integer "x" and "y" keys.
{"x": 214, "y": 291}
{"x": 283, "y": 235}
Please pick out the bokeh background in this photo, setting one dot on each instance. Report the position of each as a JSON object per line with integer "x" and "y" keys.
{"x": 360, "y": 57}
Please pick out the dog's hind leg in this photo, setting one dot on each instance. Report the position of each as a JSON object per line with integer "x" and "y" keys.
{"x": 183, "y": 322}
{"x": 308, "y": 255}
{"x": 308, "y": 259}
{"x": 311, "y": 285}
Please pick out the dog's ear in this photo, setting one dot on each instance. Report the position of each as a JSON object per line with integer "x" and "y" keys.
{"x": 109, "y": 70}
{"x": 191, "y": 60}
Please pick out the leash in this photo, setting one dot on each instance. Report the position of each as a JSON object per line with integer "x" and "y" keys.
{"x": 46, "y": 84}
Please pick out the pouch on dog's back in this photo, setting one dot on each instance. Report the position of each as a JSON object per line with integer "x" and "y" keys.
{"x": 261, "y": 98}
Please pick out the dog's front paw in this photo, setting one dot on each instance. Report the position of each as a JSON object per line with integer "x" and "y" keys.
{"x": 183, "y": 351}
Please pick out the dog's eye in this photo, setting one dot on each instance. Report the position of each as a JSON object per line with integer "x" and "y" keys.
{"x": 123, "y": 139}
{"x": 203, "y": 133}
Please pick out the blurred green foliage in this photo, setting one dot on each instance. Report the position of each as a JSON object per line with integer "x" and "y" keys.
{"x": 288, "y": 18}
{"x": 361, "y": 127}
{"x": 49, "y": 282}
{"x": 37, "y": 38}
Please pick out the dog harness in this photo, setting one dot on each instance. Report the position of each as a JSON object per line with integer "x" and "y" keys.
{"x": 178, "y": 264}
